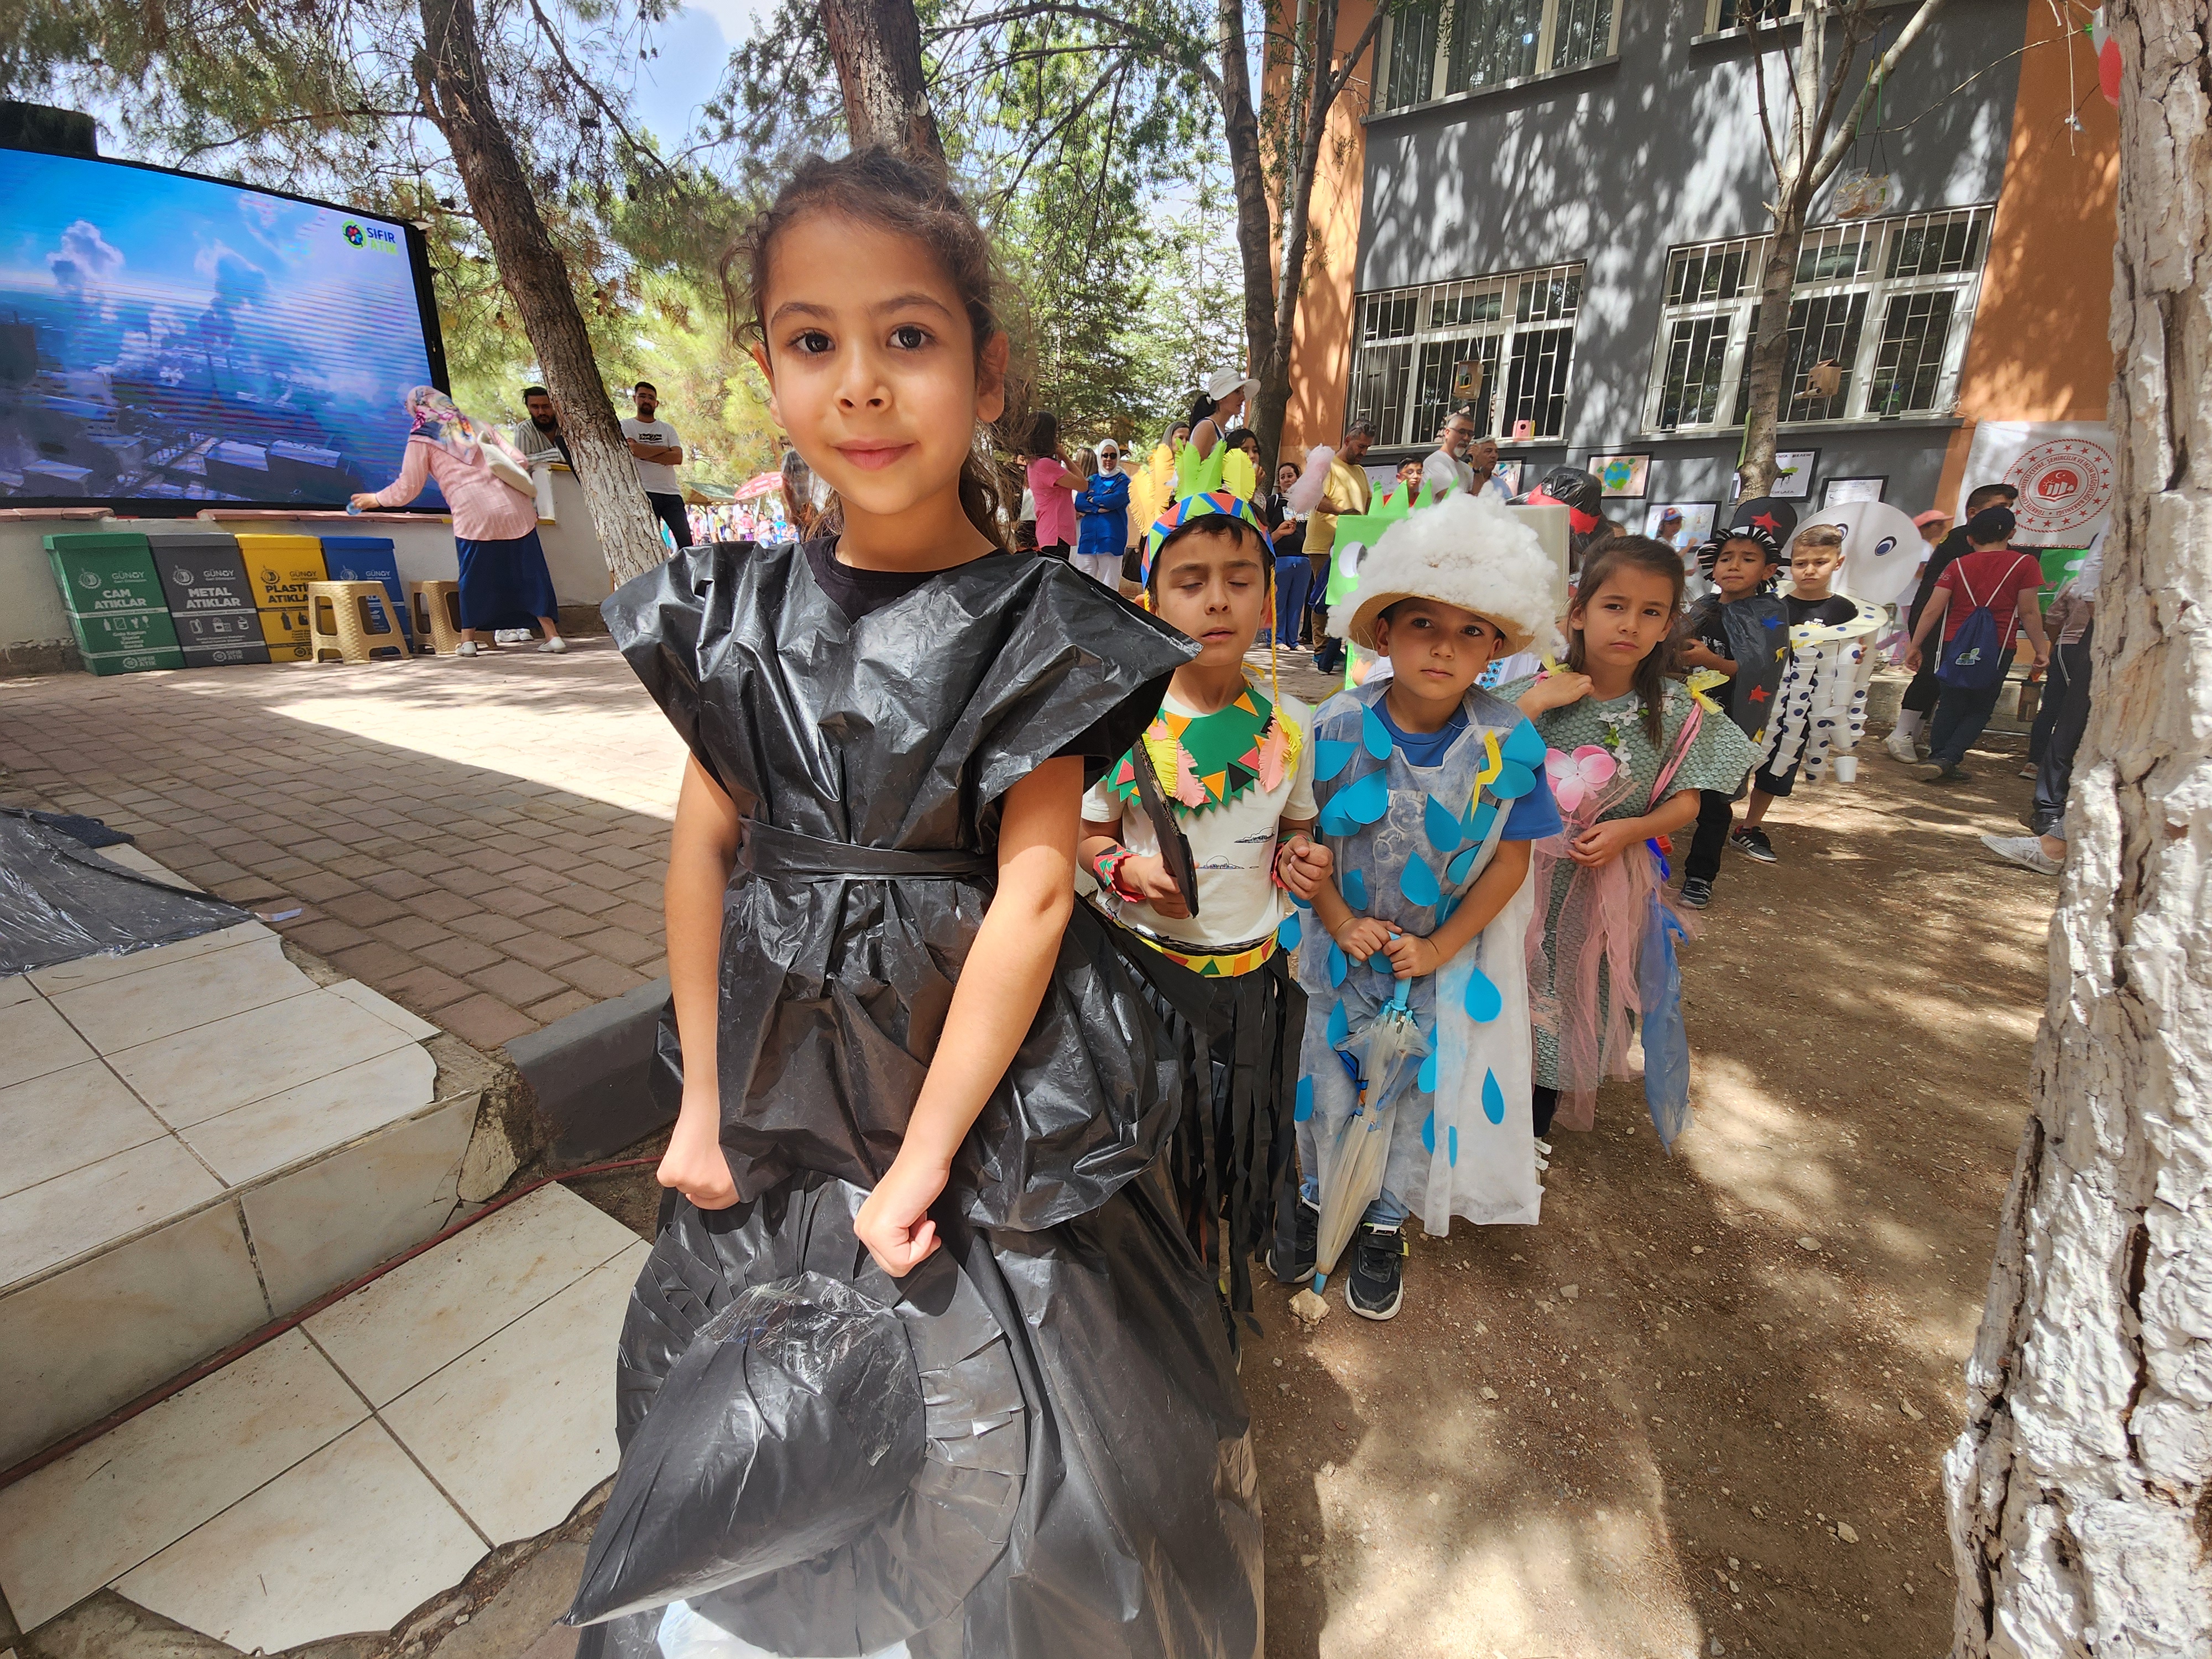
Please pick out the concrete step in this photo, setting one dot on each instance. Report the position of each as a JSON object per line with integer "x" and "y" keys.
{"x": 202, "y": 1137}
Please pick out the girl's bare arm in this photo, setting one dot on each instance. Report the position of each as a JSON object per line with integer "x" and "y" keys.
{"x": 701, "y": 851}
{"x": 996, "y": 1000}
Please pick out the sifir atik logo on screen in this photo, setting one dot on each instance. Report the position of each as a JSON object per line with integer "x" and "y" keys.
{"x": 375, "y": 238}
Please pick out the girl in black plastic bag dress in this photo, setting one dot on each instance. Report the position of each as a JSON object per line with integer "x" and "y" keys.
{"x": 922, "y": 1362}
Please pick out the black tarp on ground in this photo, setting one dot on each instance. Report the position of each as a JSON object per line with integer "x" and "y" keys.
{"x": 59, "y": 902}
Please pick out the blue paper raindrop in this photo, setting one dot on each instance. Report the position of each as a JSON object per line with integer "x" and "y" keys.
{"x": 1338, "y": 1026}
{"x": 1303, "y": 1109}
{"x": 1442, "y": 825}
{"x": 1514, "y": 780}
{"x": 1337, "y": 968}
{"x": 1287, "y": 935}
{"x": 1493, "y": 1097}
{"x": 1427, "y": 1079}
{"x": 1354, "y": 888}
{"x": 1367, "y": 800}
{"x": 1451, "y": 1145}
{"x": 1484, "y": 1001}
{"x": 1336, "y": 819}
{"x": 1523, "y": 745}
{"x": 1375, "y": 734}
{"x": 1419, "y": 883}
{"x": 1456, "y": 871}
{"x": 1429, "y": 1132}
{"x": 1330, "y": 757}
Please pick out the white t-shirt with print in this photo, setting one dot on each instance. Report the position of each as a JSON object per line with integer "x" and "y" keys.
{"x": 658, "y": 476}
{"x": 1233, "y": 847}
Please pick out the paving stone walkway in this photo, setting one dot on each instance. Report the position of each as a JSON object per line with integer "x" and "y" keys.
{"x": 482, "y": 841}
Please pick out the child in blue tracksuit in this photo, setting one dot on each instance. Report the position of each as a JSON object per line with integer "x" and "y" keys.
{"x": 1430, "y": 792}
{"x": 1102, "y": 518}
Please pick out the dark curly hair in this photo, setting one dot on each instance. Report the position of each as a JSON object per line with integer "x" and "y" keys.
{"x": 894, "y": 192}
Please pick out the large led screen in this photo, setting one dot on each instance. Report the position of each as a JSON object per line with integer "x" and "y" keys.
{"x": 169, "y": 342}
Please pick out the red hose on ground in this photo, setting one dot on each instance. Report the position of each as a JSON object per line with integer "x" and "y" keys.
{"x": 276, "y": 1327}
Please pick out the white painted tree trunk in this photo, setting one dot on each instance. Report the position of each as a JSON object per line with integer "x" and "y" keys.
{"x": 2080, "y": 1491}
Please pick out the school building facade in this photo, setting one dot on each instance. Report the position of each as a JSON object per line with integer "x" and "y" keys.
{"x": 1559, "y": 203}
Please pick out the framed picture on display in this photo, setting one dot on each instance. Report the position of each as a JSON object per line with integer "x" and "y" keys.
{"x": 1838, "y": 491}
{"x": 1509, "y": 474}
{"x": 1696, "y": 528}
{"x": 1622, "y": 475}
{"x": 1793, "y": 473}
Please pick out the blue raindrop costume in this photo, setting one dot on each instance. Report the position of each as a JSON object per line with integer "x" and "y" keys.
{"x": 1409, "y": 841}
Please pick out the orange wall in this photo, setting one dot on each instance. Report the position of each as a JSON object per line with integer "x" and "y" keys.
{"x": 1320, "y": 344}
{"x": 2039, "y": 351}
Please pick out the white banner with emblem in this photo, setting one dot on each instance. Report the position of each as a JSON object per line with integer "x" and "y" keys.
{"x": 2064, "y": 470}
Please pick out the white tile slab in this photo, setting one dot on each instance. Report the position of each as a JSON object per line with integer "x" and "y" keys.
{"x": 90, "y": 970}
{"x": 341, "y": 1215}
{"x": 173, "y": 996}
{"x": 75, "y": 1347}
{"x": 248, "y": 1141}
{"x": 519, "y": 1428}
{"x": 143, "y": 864}
{"x": 14, "y": 988}
{"x": 79, "y": 1522}
{"x": 118, "y": 1196}
{"x": 385, "y": 1009}
{"x": 351, "y": 1540}
{"x": 388, "y": 1336}
{"x": 35, "y": 1041}
{"x": 66, "y": 1120}
{"x": 195, "y": 1074}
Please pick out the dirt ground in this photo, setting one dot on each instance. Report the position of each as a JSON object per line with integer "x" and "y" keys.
{"x": 1701, "y": 1409}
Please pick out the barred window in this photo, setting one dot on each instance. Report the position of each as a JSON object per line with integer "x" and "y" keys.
{"x": 1879, "y": 317}
{"x": 1501, "y": 346}
{"x": 1442, "y": 47}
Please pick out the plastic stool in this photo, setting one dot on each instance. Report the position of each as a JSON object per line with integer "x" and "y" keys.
{"x": 437, "y": 607}
{"x": 352, "y": 634}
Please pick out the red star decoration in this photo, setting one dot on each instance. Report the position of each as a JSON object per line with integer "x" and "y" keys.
{"x": 1768, "y": 522}
{"x": 1759, "y": 694}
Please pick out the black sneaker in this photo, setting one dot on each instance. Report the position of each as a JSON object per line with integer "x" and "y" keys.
{"x": 1377, "y": 1283}
{"x": 1304, "y": 1249}
{"x": 1754, "y": 844}
{"x": 1697, "y": 892}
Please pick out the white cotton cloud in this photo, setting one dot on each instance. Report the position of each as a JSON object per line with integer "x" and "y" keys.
{"x": 85, "y": 258}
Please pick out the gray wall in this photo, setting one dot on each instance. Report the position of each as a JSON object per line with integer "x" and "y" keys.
{"x": 1615, "y": 164}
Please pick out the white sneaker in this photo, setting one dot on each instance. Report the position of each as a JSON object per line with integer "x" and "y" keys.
{"x": 554, "y": 646}
{"x": 1899, "y": 747}
{"x": 469, "y": 648}
{"x": 2026, "y": 850}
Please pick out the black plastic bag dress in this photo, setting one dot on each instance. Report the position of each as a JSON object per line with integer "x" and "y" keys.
{"x": 1036, "y": 1444}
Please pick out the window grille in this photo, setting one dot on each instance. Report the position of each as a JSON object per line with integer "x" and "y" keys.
{"x": 1458, "y": 46}
{"x": 1511, "y": 335}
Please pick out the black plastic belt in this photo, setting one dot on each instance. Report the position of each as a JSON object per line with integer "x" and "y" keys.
{"x": 785, "y": 853}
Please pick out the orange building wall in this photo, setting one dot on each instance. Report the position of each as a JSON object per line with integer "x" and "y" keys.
{"x": 1321, "y": 343}
{"x": 2039, "y": 349}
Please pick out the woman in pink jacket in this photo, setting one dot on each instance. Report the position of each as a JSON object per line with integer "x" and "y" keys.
{"x": 504, "y": 582}
{"x": 1052, "y": 486}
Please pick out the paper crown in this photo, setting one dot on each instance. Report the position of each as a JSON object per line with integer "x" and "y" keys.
{"x": 1218, "y": 502}
{"x": 1366, "y": 528}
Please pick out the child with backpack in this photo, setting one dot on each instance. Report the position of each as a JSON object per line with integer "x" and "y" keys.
{"x": 1980, "y": 599}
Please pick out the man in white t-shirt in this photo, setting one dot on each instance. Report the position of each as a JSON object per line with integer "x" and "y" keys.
{"x": 658, "y": 453}
{"x": 1447, "y": 468}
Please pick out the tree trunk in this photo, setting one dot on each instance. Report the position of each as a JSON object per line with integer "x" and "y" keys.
{"x": 1255, "y": 226}
{"x": 450, "y": 77}
{"x": 876, "y": 45}
{"x": 2081, "y": 1491}
{"x": 1765, "y": 395}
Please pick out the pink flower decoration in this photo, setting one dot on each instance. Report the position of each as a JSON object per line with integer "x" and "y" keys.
{"x": 1578, "y": 777}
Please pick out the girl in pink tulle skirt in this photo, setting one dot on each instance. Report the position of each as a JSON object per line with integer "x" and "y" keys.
{"x": 1628, "y": 750}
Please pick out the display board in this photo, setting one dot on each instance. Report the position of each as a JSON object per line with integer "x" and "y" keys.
{"x": 168, "y": 342}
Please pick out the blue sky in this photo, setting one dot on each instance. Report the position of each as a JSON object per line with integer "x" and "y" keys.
{"x": 695, "y": 46}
